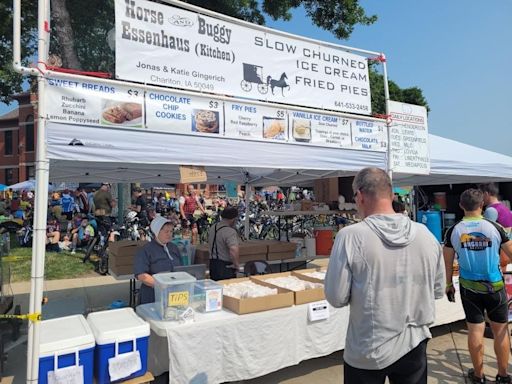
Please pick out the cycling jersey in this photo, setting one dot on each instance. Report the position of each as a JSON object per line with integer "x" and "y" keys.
{"x": 477, "y": 243}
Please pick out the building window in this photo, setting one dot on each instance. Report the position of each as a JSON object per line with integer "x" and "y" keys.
{"x": 8, "y": 142}
{"x": 31, "y": 172}
{"x": 29, "y": 134}
{"x": 9, "y": 176}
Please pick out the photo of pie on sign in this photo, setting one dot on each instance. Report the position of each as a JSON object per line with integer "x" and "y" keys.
{"x": 274, "y": 128}
{"x": 205, "y": 121}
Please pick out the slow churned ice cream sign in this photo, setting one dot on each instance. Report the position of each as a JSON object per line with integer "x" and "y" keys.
{"x": 163, "y": 45}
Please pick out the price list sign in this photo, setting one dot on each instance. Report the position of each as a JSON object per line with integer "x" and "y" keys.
{"x": 180, "y": 113}
{"x": 94, "y": 103}
{"x": 409, "y": 139}
{"x": 256, "y": 122}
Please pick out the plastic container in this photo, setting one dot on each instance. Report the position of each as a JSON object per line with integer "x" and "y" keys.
{"x": 173, "y": 293}
{"x": 432, "y": 219}
{"x": 119, "y": 329}
{"x": 440, "y": 199}
{"x": 324, "y": 241}
{"x": 62, "y": 341}
{"x": 207, "y": 296}
{"x": 310, "y": 246}
{"x": 449, "y": 220}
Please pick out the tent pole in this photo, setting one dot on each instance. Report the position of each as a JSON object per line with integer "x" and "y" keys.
{"x": 247, "y": 210}
{"x": 388, "y": 119}
{"x": 41, "y": 201}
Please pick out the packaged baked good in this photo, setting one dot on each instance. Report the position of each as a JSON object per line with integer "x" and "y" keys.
{"x": 273, "y": 128}
{"x": 133, "y": 110}
{"x": 206, "y": 121}
{"x": 115, "y": 114}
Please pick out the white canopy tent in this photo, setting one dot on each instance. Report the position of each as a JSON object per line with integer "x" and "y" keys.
{"x": 453, "y": 162}
{"x": 101, "y": 154}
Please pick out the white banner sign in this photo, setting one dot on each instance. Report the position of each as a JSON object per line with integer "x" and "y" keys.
{"x": 163, "y": 45}
{"x": 94, "y": 103}
{"x": 327, "y": 130}
{"x": 179, "y": 113}
{"x": 369, "y": 135}
{"x": 85, "y": 103}
{"x": 409, "y": 139}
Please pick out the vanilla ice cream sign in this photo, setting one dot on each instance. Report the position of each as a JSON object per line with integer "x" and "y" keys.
{"x": 172, "y": 47}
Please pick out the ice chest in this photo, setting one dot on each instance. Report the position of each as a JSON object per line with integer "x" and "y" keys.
{"x": 173, "y": 293}
{"x": 119, "y": 329}
{"x": 63, "y": 340}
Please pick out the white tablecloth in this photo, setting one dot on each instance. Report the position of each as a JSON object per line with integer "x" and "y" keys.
{"x": 223, "y": 346}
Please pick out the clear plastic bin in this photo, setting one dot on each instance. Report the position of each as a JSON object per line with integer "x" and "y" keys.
{"x": 207, "y": 296}
{"x": 173, "y": 293}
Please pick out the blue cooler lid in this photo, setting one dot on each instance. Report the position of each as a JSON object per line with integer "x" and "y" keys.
{"x": 117, "y": 325}
{"x": 65, "y": 334}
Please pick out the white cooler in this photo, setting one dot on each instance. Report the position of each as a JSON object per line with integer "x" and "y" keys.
{"x": 118, "y": 333}
{"x": 66, "y": 342}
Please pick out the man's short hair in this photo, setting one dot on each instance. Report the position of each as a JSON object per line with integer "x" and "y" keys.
{"x": 374, "y": 182}
{"x": 471, "y": 199}
{"x": 491, "y": 188}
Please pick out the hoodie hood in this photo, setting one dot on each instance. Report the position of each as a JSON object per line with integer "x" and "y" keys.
{"x": 395, "y": 230}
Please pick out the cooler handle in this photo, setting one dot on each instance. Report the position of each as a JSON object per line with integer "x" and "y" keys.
{"x": 134, "y": 348}
{"x": 56, "y": 358}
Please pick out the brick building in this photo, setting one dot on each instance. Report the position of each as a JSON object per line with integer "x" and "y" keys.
{"x": 18, "y": 142}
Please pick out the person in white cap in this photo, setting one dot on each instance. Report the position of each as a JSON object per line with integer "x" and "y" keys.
{"x": 159, "y": 255}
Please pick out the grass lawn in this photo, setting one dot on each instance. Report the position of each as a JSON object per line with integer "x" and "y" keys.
{"x": 61, "y": 265}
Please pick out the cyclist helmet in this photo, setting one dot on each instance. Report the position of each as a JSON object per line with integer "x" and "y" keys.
{"x": 131, "y": 216}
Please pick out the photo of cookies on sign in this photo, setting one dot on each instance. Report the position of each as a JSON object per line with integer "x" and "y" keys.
{"x": 122, "y": 113}
{"x": 274, "y": 128}
{"x": 205, "y": 121}
{"x": 301, "y": 130}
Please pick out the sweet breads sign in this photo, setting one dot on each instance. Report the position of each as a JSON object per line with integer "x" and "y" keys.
{"x": 167, "y": 46}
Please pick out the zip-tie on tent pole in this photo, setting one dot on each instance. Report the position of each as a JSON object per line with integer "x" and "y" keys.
{"x": 42, "y": 176}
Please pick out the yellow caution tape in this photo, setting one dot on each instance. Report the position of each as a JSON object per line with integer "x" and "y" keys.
{"x": 33, "y": 317}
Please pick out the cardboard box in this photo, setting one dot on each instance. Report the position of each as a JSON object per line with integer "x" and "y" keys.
{"x": 300, "y": 297}
{"x": 122, "y": 256}
{"x": 121, "y": 270}
{"x": 276, "y": 246}
{"x": 284, "y": 298}
{"x": 306, "y": 205}
{"x": 202, "y": 255}
{"x": 301, "y": 274}
{"x": 249, "y": 250}
{"x": 280, "y": 256}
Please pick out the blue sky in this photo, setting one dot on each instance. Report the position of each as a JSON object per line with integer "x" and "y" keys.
{"x": 457, "y": 51}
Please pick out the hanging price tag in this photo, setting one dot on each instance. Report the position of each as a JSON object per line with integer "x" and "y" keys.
{"x": 177, "y": 299}
{"x": 319, "y": 310}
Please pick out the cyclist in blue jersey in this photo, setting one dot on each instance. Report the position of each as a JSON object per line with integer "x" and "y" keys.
{"x": 68, "y": 204}
{"x": 476, "y": 242}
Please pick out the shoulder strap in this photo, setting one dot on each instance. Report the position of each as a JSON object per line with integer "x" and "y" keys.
{"x": 214, "y": 244}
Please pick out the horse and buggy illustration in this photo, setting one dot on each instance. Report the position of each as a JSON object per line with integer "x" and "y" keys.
{"x": 253, "y": 74}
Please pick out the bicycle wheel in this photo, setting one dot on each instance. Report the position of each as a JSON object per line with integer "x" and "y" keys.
{"x": 90, "y": 248}
{"x": 103, "y": 261}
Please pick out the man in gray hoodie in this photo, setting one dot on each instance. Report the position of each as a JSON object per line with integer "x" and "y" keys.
{"x": 390, "y": 270}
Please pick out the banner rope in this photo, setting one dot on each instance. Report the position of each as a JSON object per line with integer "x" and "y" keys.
{"x": 103, "y": 75}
